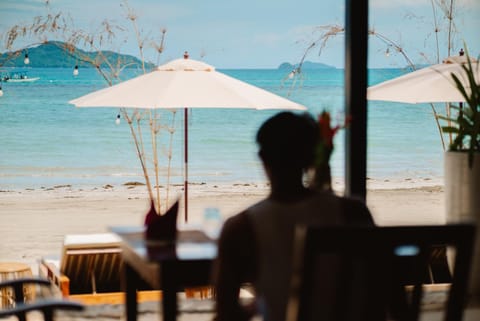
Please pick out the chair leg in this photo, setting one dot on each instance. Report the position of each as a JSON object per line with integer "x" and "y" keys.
{"x": 18, "y": 291}
{"x": 19, "y": 298}
{"x": 48, "y": 315}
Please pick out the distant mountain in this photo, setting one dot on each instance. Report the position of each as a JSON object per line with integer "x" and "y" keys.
{"x": 53, "y": 54}
{"x": 307, "y": 65}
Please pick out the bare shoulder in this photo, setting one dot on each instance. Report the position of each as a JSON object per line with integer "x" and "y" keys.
{"x": 356, "y": 211}
{"x": 236, "y": 227}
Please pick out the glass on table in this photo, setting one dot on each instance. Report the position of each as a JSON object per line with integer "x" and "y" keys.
{"x": 212, "y": 222}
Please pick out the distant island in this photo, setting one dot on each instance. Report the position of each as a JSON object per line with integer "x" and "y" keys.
{"x": 307, "y": 65}
{"x": 53, "y": 55}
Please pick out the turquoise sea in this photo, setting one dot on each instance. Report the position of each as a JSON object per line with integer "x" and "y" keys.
{"x": 45, "y": 141}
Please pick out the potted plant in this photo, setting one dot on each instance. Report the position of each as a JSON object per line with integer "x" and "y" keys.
{"x": 462, "y": 161}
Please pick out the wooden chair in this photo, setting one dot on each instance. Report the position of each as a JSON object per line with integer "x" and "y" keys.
{"x": 20, "y": 307}
{"x": 89, "y": 264}
{"x": 370, "y": 269}
{"x": 89, "y": 270}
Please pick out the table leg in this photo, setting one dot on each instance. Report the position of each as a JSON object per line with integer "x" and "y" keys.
{"x": 169, "y": 292}
{"x": 131, "y": 281}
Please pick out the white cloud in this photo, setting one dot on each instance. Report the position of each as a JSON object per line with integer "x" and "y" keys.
{"x": 469, "y": 3}
{"x": 410, "y": 4}
{"x": 21, "y": 5}
{"x": 267, "y": 39}
{"x": 390, "y": 4}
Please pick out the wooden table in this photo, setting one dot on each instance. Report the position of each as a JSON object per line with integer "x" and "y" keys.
{"x": 169, "y": 267}
{"x": 10, "y": 271}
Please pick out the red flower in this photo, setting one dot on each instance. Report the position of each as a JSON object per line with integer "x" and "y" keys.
{"x": 322, "y": 178}
{"x": 326, "y": 131}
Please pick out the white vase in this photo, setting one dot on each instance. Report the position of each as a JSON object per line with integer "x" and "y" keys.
{"x": 462, "y": 202}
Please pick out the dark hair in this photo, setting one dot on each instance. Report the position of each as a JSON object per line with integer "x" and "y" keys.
{"x": 288, "y": 140}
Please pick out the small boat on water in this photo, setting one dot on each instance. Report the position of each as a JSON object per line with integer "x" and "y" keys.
{"x": 17, "y": 77}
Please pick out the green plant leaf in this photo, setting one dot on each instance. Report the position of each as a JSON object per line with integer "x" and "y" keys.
{"x": 467, "y": 123}
{"x": 450, "y": 130}
{"x": 446, "y": 118}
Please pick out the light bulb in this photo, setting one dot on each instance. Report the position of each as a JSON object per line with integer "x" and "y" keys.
{"x": 26, "y": 61}
{"x": 117, "y": 121}
{"x": 1, "y": 92}
{"x": 75, "y": 71}
{"x": 387, "y": 52}
{"x": 291, "y": 75}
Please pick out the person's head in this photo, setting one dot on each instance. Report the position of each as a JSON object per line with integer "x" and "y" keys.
{"x": 287, "y": 142}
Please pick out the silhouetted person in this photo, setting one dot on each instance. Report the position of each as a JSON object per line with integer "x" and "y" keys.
{"x": 256, "y": 245}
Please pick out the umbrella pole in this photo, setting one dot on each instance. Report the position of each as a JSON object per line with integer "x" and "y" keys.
{"x": 186, "y": 161}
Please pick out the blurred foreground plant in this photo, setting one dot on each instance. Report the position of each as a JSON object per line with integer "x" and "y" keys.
{"x": 466, "y": 126}
{"x": 322, "y": 179}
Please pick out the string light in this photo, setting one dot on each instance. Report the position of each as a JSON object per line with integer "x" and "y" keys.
{"x": 387, "y": 52}
{"x": 26, "y": 60}
{"x": 1, "y": 91}
{"x": 75, "y": 71}
{"x": 117, "y": 121}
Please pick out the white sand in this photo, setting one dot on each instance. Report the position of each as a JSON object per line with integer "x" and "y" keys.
{"x": 33, "y": 223}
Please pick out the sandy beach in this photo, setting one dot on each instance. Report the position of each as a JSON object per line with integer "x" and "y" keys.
{"x": 34, "y": 222}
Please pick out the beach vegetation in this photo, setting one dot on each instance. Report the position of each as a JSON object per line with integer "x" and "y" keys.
{"x": 465, "y": 126}
{"x": 443, "y": 18}
{"x": 99, "y": 48}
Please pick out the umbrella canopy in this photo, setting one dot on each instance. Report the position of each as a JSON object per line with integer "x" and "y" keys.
{"x": 185, "y": 83}
{"x": 427, "y": 85}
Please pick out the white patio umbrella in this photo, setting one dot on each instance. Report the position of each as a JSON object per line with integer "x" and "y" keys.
{"x": 427, "y": 85}
{"x": 185, "y": 83}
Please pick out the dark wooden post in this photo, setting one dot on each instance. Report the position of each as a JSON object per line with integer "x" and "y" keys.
{"x": 356, "y": 51}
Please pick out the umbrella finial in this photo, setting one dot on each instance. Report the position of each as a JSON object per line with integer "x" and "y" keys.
{"x": 185, "y": 55}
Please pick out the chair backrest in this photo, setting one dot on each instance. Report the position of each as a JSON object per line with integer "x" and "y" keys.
{"x": 370, "y": 271}
{"x": 92, "y": 262}
{"x": 20, "y": 306}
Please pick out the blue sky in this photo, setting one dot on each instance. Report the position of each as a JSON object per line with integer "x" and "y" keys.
{"x": 262, "y": 33}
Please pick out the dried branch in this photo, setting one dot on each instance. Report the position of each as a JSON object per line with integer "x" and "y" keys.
{"x": 327, "y": 32}
{"x": 55, "y": 27}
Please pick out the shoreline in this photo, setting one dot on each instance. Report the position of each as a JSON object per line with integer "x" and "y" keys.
{"x": 35, "y": 221}
{"x": 399, "y": 182}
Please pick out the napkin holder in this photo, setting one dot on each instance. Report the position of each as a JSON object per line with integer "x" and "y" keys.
{"x": 161, "y": 227}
